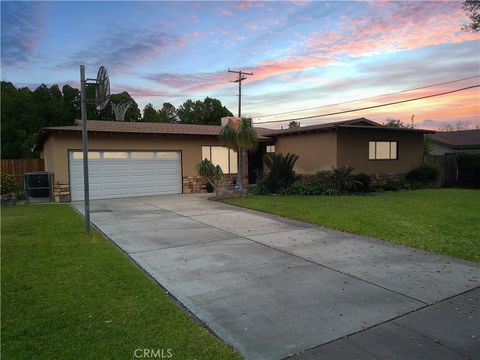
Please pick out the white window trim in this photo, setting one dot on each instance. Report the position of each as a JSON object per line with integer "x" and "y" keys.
{"x": 375, "y": 158}
{"x": 210, "y": 157}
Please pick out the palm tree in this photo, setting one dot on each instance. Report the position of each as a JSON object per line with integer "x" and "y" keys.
{"x": 239, "y": 137}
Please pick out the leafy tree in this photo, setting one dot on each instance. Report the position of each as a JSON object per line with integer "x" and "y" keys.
{"x": 24, "y": 112}
{"x": 150, "y": 114}
{"x": 472, "y": 9}
{"x": 240, "y": 137}
{"x": 191, "y": 112}
{"x": 168, "y": 113}
{"x": 214, "y": 111}
{"x": 394, "y": 123}
{"x": 206, "y": 112}
{"x": 293, "y": 124}
{"x": 459, "y": 125}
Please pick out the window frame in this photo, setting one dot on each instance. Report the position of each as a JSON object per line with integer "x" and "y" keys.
{"x": 389, "y": 150}
{"x": 228, "y": 156}
{"x": 270, "y": 152}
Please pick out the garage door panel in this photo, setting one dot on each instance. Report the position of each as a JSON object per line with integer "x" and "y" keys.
{"x": 127, "y": 177}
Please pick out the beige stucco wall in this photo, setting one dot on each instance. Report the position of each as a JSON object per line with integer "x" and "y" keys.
{"x": 352, "y": 150}
{"x": 55, "y": 151}
{"x": 316, "y": 151}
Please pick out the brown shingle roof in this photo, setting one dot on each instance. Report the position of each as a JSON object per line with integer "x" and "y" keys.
{"x": 204, "y": 130}
{"x": 141, "y": 128}
{"x": 463, "y": 139}
{"x": 360, "y": 123}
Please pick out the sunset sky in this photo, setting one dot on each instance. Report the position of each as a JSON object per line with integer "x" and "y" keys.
{"x": 302, "y": 54}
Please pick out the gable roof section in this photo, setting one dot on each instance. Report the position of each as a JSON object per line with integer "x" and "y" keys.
{"x": 263, "y": 134}
{"x": 464, "y": 139}
{"x": 360, "y": 123}
{"x": 145, "y": 128}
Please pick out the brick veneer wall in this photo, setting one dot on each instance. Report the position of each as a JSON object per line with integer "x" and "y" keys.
{"x": 61, "y": 192}
{"x": 196, "y": 184}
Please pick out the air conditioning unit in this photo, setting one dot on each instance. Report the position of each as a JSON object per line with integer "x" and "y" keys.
{"x": 38, "y": 185}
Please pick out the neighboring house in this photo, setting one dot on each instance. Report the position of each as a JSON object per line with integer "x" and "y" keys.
{"x": 451, "y": 142}
{"x": 137, "y": 158}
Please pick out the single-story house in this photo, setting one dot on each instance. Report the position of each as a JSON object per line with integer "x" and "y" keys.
{"x": 137, "y": 158}
{"x": 451, "y": 142}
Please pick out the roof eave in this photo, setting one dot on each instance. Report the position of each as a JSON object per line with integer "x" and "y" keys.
{"x": 386, "y": 128}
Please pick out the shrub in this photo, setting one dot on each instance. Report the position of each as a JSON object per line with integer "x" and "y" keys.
{"x": 392, "y": 185}
{"x": 425, "y": 174}
{"x": 281, "y": 171}
{"x": 468, "y": 165}
{"x": 260, "y": 188}
{"x": 332, "y": 182}
{"x": 209, "y": 188}
{"x": 344, "y": 179}
{"x": 211, "y": 173}
{"x": 8, "y": 187}
{"x": 340, "y": 180}
{"x": 364, "y": 182}
{"x": 402, "y": 184}
{"x": 306, "y": 185}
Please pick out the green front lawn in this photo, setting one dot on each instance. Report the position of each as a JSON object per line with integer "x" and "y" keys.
{"x": 69, "y": 296}
{"x": 446, "y": 221}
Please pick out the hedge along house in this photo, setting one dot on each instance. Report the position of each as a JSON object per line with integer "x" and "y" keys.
{"x": 138, "y": 159}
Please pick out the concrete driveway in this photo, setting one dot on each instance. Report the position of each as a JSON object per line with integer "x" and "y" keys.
{"x": 275, "y": 288}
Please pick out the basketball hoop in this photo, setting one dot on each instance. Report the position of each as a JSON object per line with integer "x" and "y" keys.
{"x": 102, "y": 93}
{"x": 120, "y": 109}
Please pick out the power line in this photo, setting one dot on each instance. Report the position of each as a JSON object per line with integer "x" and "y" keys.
{"x": 180, "y": 95}
{"x": 368, "y": 98}
{"x": 372, "y": 107}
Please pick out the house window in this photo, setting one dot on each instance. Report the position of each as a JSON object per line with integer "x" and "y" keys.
{"x": 219, "y": 155}
{"x": 270, "y": 149}
{"x": 382, "y": 150}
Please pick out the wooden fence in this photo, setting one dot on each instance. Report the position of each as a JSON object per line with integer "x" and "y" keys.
{"x": 448, "y": 164}
{"x": 17, "y": 167}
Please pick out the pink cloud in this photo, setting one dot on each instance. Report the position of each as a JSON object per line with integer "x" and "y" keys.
{"x": 251, "y": 26}
{"x": 285, "y": 65}
{"x": 242, "y": 5}
{"x": 221, "y": 79}
{"x": 227, "y": 12}
{"x": 404, "y": 26}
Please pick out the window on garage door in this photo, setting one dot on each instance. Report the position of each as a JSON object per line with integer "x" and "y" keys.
{"x": 115, "y": 155}
{"x": 92, "y": 155}
{"x": 142, "y": 154}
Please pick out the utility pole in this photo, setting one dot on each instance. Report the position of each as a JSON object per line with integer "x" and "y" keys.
{"x": 241, "y": 77}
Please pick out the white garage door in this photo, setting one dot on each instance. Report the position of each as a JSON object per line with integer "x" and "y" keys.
{"x": 115, "y": 174}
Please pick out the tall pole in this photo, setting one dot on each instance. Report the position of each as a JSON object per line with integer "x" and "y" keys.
{"x": 241, "y": 77}
{"x": 83, "y": 109}
{"x": 240, "y": 96}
